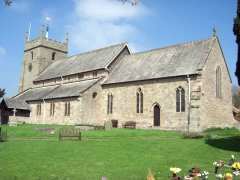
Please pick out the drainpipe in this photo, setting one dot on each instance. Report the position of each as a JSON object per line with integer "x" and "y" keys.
{"x": 44, "y": 110}
{"x": 189, "y": 101}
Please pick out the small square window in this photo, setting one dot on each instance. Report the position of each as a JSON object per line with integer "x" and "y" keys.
{"x": 95, "y": 74}
{"x": 80, "y": 76}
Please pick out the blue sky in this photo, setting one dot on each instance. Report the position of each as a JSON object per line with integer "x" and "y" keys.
{"x": 97, "y": 23}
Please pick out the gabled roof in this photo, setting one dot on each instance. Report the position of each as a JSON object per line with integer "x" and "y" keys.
{"x": 51, "y": 92}
{"x": 89, "y": 61}
{"x": 172, "y": 61}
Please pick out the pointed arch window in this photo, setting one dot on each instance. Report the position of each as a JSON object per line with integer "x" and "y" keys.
{"x": 180, "y": 99}
{"x": 67, "y": 109}
{"x": 110, "y": 104}
{"x": 32, "y": 55}
{"x": 39, "y": 109}
{"x": 53, "y": 55}
{"x": 52, "y": 109}
{"x": 139, "y": 98}
{"x": 218, "y": 82}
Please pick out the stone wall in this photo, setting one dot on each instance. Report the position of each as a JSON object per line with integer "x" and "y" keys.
{"x": 93, "y": 103}
{"x": 42, "y": 50}
{"x": 59, "y": 114}
{"x": 216, "y": 112}
{"x": 162, "y": 92}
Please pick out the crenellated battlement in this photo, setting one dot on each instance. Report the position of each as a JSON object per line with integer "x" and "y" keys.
{"x": 46, "y": 42}
{"x": 39, "y": 53}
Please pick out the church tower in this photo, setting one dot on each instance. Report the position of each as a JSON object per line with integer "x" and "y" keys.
{"x": 39, "y": 53}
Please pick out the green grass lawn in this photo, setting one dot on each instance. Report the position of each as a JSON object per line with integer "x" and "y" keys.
{"x": 118, "y": 154}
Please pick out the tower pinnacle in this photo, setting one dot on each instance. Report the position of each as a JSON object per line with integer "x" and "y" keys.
{"x": 214, "y": 32}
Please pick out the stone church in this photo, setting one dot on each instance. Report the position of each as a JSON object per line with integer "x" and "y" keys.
{"x": 179, "y": 87}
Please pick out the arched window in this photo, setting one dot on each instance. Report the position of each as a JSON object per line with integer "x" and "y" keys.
{"x": 32, "y": 55}
{"x": 139, "y": 96}
{"x": 180, "y": 99}
{"x": 30, "y": 67}
{"x": 52, "y": 109}
{"x": 110, "y": 104}
{"x": 39, "y": 109}
{"x": 67, "y": 109}
{"x": 53, "y": 55}
{"x": 218, "y": 82}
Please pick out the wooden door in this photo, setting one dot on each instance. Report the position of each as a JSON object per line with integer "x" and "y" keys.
{"x": 156, "y": 115}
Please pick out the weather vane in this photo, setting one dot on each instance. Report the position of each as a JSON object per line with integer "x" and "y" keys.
{"x": 48, "y": 19}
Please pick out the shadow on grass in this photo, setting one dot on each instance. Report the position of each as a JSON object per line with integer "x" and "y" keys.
{"x": 226, "y": 143}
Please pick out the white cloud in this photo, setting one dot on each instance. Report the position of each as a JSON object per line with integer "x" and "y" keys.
{"x": 98, "y": 23}
{"x": 2, "y": 51}
{"x": 107, "y": 10}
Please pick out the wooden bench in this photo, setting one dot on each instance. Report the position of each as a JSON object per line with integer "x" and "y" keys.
{"x": 69, "y": 133}
{"x": 130, "y": 125}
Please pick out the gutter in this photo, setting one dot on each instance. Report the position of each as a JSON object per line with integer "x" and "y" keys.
{"x": 189, "y": 103}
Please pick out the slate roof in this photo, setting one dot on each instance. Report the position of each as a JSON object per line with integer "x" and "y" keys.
{"x": 71, "y": 89}
{"x": 50, "y": 92}
{"x": 20, "y": 101}
{"x": 16, "y": 104}
{"x": 172, "y": 61}
{"x": 89, "y": 61}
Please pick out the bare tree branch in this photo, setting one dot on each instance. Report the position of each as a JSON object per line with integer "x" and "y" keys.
{"x": 7, "y": 2}
{"x": 133, "y": 2}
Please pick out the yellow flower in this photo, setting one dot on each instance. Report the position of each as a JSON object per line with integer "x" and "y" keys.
{"x": 236, "y": 165}
{"x": 175, "y": 170}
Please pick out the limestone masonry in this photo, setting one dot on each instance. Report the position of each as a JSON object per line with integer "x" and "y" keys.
{"x": 180, "y": 87}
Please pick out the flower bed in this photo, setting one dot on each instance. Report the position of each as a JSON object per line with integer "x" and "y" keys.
{"x": 223, "y": 171}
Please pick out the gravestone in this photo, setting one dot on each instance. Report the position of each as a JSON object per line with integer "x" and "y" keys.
{"x": 108, "y": 125}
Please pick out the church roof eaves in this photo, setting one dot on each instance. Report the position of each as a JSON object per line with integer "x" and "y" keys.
{"x": 83, "y": 62}
{"x": 167, "y": 62}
